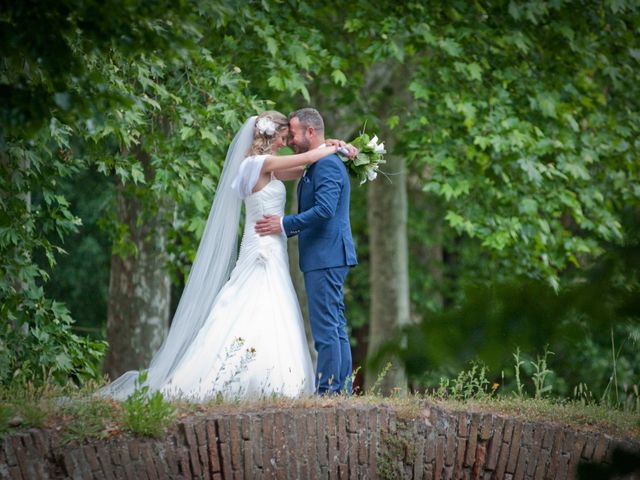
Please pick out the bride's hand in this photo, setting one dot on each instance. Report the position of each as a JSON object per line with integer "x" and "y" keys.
{"x": 352, "y": 152}
{"x": 326, "y": 149}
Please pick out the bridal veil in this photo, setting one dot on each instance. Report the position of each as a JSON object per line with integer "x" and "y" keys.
{"x": 215, "y": 259}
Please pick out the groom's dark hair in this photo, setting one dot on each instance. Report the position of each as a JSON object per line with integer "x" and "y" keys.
{"x": 309, "y": 117}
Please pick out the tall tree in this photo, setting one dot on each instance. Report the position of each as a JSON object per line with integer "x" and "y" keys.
{"x": 47, "y": 91}
{"x": 389, "y": 266}
{"x": 521, "y": 121}
{"x": 520, "y": 127}
{"x": 175, "y": 129}
{"x": 139, "y": 285}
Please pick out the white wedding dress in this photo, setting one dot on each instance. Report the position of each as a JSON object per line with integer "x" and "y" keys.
{"x": 252, "y": 343}
{"x": 237, "y": 331}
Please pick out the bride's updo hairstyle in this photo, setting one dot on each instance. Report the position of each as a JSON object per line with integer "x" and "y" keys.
{"x": 264, "y": 133}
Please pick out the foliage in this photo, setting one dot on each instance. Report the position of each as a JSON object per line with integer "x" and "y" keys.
{"x": 522, "y": 126}
{"x": 516, "y": 122}
{"x": 145, "y": 413}
{"x": 592, "y": 327}
{"x": 35, "y": 340}
{"x": 56, "y": 407}
{"x": 97, "y": 107}
{"x": 45, "y": 348}
{"x": 44, "y": 64}
{"x": 80, "y": 278}
{"x": 5, "y": 418}
{"x": 539, "y": 373}
{"x": 519, "y": 121}
{"x": 22, "y": 405}
{"x": 49, "y": 92}
{"x": 177, "y": 127}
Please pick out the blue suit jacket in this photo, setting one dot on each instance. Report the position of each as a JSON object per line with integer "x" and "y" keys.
{"x": 323, "y": 226}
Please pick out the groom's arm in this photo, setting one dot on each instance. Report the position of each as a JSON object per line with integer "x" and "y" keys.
{"x": 326, "y": 196}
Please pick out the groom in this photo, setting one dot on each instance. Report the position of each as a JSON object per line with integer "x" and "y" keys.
{"x": 326, "y": 249}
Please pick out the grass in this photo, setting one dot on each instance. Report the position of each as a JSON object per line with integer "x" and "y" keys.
{"x": 79, "y": 416}
{"x": 570, "y": 413}
{"x": 86, "y": 418}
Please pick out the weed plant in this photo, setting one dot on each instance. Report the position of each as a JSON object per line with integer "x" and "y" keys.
{"x": 145, "y": 413}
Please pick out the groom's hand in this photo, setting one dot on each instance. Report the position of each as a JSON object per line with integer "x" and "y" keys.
{"x": 269, "y": 225}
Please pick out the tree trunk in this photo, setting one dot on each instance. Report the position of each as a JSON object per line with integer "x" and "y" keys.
{"x": 139, "y": 288}
{"x": 388, "y": 247}
{"x": 387, "y": 215}
{"x": 24, "y": 166}
{"x": 389, "y": 268}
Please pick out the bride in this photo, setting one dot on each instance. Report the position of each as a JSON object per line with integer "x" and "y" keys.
{"x": 238, "y": 330}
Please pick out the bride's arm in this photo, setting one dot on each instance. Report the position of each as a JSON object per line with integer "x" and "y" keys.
{"x": 351, "y": 151}
{"x": 296, "y": 172}
{"x": 286, "y": 162}
{"x": 289, "y": 173}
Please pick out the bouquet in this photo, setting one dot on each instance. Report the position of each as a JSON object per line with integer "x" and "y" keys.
{"x": 365, "y": 165}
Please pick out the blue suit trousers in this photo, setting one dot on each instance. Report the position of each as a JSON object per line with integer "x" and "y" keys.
{"x": 325, "y": 297}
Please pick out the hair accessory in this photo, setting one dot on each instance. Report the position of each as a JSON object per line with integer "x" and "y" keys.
{"x": 266, "y": 126}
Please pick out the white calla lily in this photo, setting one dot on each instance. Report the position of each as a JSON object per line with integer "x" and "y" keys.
{"x": 379, "y": 148}
{"x": 371, "y": 173}
{"x": 365, "y": 166}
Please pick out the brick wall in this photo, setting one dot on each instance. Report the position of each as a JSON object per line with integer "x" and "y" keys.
{"x": 345, "y": 441}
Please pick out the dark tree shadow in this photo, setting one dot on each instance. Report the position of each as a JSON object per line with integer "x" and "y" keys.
{"x": 624, "y": 465}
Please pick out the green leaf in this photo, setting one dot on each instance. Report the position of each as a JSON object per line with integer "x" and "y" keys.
{"x": 475, "y": 71}
{"x": 459, "y": 223}
{"x": 447, "y": 191}
{"x": 151, "y": 102}
{"x": 396, "y": 51}
{"x": 299, "y": 53}
{"x": 528, "y": 165}
{"x": 305, "y": 92}
{"x": 451, "y": 47}
{"x": 419, "y": 90}
{"x": 122, "y": 173}
{"x": 207, "y": 134}
{"x": 272, "y": 46}
{"x": 393, "y": 121}
{"x": 482, "y": 142}
{"x": 137, "y": 174}
{"x": 352, "y": 25}
{"x": 547, "y": 104}
{"x": 338, "y": 77}
{"x": 529, "y": 206}
{"x": 277, "y": 82}
{"x": 576, "y": 170}
{"x": 200, "y": 202}
{"x": 63, "y": 362}
{"x": 361, "y": 159}
{"x": 186, "y": 132}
